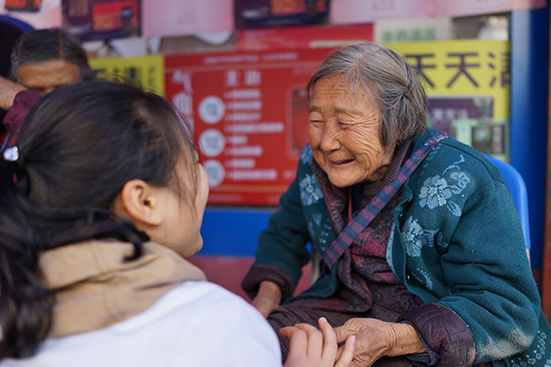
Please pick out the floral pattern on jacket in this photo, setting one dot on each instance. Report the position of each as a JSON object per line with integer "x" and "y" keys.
{"x": 439, "y": 250}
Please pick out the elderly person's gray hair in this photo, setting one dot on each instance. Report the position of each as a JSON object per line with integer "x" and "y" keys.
{"x": 39, "y": 45}
{"x": 392, "y": 83}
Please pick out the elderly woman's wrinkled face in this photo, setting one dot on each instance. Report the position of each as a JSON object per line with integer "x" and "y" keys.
{"x": 344, "y": 133}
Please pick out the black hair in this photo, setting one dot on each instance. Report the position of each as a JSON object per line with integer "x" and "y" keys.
{"x": 77, "y": 149}
{"x": 49, "y": 44}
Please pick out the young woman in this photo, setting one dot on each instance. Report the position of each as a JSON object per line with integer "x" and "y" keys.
{"x": 101, "y": 202}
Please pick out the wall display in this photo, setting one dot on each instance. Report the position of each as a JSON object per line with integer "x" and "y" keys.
{"x": 250, "y": 116}
{"x": 468, "y": 85}
{"x": 413, "y": 30}
{"x": 250, "y": 14}
{"x": 366, "y": 11}
{"x": 177, "y": 18}
{"x": 23, "y": 5}
{"x": 36, "y": 13}
{"x": 102, "y": 19}
{"x": 369, "y": 11}
{"x": 145, "y": 71}
{"x": 314, "y": 36}
{"x": 446, "y": 8}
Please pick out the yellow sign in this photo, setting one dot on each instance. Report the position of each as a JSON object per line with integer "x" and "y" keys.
{"x": 468, "y": 84}
{"x": 145, "y": 71}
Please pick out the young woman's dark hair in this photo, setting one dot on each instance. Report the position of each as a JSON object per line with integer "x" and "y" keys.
{"x": 49, "y": 44}
{"x": 77, "y": 149}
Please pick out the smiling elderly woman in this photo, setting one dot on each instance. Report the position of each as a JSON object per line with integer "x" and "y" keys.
{"x": 423, "y": 256}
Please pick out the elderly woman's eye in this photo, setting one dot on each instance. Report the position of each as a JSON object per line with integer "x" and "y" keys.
{"x": 345, "y": 124}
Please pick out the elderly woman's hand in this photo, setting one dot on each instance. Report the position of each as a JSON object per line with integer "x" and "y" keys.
{"x": 267, "y": 298}
{"x": 376, "y": 339}
{"x": 8, "y": 91}
{"x": 310, "y": 347}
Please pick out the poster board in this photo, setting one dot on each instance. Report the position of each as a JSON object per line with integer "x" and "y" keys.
{"x": 468, "y": 85}
{"x": 102, "y": 19}
{"x": 37, "y": 13}
{"x": 145, "y": 71}
{"x": 250, "y": 116}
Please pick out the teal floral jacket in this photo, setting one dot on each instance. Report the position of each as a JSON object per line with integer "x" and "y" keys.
{"x": 456, "y": 243}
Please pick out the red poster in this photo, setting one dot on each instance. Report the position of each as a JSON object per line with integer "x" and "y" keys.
{"x": 250, "y": 115}
{"x": 313, "y": 36}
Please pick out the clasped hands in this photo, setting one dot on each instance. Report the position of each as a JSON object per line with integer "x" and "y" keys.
{"x": 366, "y": 339}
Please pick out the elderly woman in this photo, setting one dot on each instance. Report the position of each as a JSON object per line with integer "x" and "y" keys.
{"x": 423, "y": 256}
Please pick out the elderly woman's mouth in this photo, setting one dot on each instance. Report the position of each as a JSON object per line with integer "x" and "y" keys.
{"x": 342, "y": 162}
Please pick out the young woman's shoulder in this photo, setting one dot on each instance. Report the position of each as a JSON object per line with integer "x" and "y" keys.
{"x": 196, "y": 323}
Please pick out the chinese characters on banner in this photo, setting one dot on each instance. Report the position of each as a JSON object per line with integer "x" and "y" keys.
{"x": 250, "y": 116}
{"x": 468, "y": 87}
{"x": 146, "y": 71}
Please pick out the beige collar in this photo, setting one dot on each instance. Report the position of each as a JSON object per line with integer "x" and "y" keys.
{"x": 95, "y": 287}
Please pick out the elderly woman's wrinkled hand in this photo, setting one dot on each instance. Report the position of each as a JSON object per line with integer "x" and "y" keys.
{"x": 310, "y": 347}
{"x": 376, "y": 339}
{"x": 8, "y": 91}
{"x": 267, "y": 299}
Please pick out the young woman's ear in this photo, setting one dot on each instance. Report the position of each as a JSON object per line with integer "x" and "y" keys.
{"x": 138, "y": 202}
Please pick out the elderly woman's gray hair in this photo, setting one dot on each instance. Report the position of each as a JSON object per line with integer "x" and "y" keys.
{"x": 392, "y": 83}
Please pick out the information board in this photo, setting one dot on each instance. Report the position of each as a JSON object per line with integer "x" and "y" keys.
{"x": 250, "y": 115}
{"x": 145, "y": 71}
{"x": 468, "y": 86}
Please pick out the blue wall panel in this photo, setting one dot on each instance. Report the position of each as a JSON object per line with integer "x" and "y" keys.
{"x": 529, "y": 100}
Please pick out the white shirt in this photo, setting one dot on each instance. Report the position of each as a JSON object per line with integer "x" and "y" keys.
{"x": 195, "y": 324}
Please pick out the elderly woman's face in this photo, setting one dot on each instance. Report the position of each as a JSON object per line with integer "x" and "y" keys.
{"x": 344, "y": 134}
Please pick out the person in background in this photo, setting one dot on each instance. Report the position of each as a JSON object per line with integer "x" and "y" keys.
{"x": 422, "y": 253}
{"x": 95, "y": 231}
{"x": 42, "y": 60}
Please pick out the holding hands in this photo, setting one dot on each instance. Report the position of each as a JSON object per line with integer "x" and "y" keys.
{"x": 376, "y": 339}
{"x": 310, "y": 347}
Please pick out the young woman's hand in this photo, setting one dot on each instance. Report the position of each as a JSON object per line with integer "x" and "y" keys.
{"x": 310, "y": 347}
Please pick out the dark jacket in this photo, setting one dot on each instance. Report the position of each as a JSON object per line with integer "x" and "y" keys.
{"x": 456, "y": 242}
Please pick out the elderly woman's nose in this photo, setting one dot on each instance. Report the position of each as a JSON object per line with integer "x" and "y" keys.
{"x": 329, "y": 139}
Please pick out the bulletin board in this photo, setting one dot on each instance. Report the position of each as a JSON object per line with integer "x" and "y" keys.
{"x": 468, "y": 85}
{"x": 250, "y": 115}
{"x": 144, "y": 71}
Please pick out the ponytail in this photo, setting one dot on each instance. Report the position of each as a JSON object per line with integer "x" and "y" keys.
{"x": 77, "y": 149}
{"x": 25, "y": 305}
